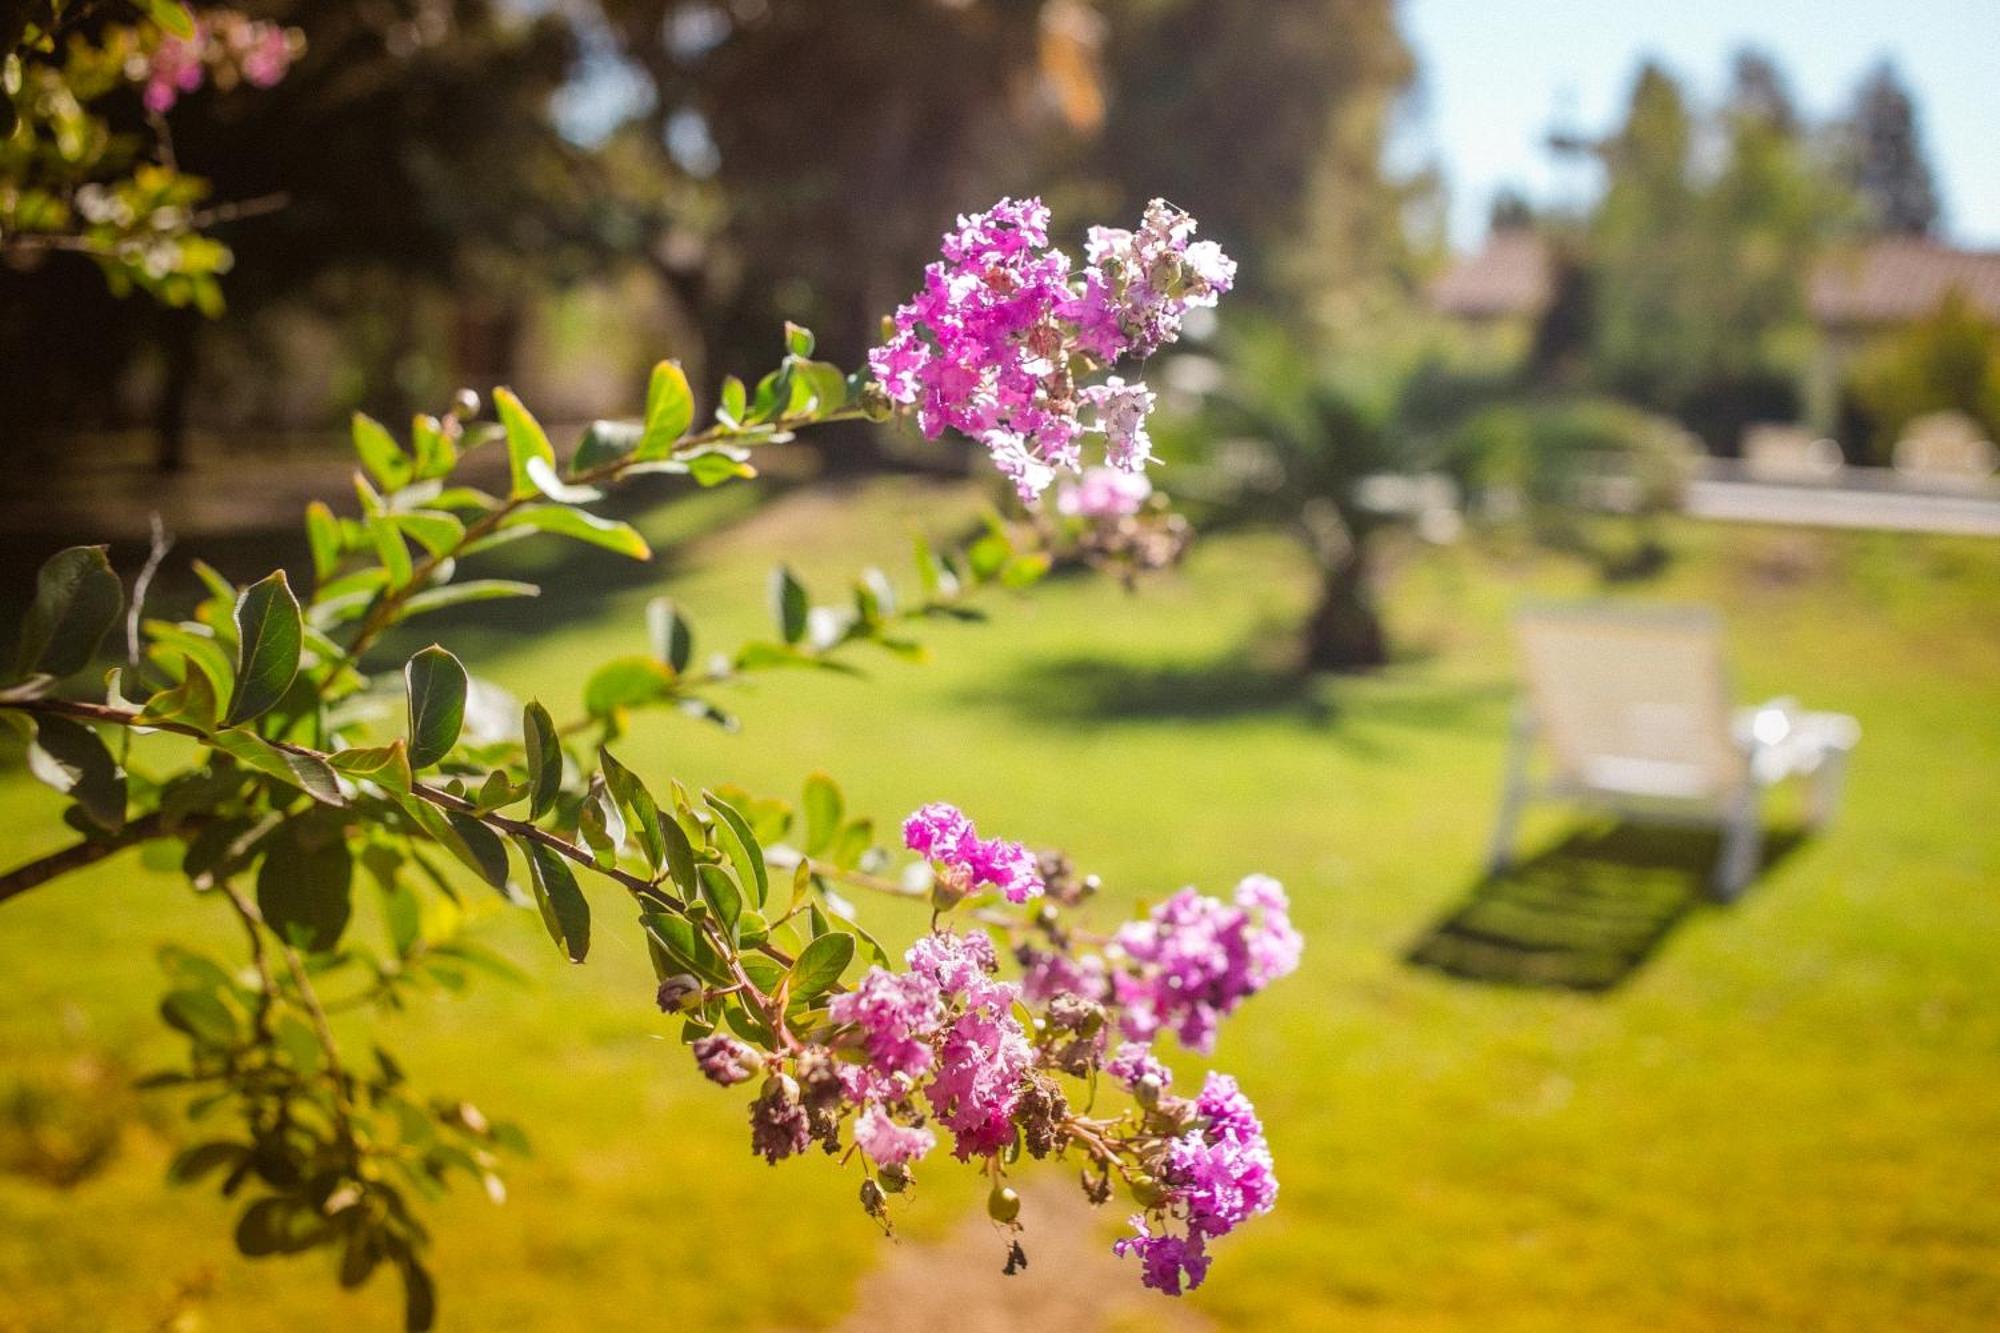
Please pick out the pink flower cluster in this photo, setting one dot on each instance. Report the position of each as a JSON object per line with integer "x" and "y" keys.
{"x": 1103, "y": 492}
{"x": 225, "y": 44}
{"x": 1218, "y": 1176}
{"x": 942, "y": 833}
{"x": 946, "y": 1018}
{"x": 1194, "y": 959}
{"x": 990, "y": 346}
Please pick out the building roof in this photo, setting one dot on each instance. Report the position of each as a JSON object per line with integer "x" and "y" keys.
{"x": 1893, "y": 281}
{"x": 1889, "y": 281}
{"x": 1509, "y": 276}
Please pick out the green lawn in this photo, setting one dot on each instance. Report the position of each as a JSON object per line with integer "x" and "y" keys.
{"x": 1777, "y": 1115}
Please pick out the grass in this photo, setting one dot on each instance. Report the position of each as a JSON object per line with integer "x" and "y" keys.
{"x": 1775, "y": 1115}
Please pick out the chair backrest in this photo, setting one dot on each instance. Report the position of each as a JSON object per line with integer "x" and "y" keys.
{"x": 1632, "y": 701}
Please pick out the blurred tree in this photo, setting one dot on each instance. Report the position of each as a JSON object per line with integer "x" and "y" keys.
{"x": 1884, "y": 157}
{"x": 1643, "y": 254}
{"x": 835, "y": 142}
{"x": 1269, "y": 123}
{"x": 413, "y": 148}
{"x": 1297, "y": 449}
{"x": 1948, "y": 361}
{"x": 1697, "y": 271}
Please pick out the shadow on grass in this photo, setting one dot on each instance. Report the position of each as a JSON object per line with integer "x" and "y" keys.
{"x": 1087, "y": 691}
{"x": 1585, "y": 914}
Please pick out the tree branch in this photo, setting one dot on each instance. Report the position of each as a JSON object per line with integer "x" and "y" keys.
{"x": 78, "y": 855}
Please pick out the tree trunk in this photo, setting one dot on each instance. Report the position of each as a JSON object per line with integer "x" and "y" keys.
{"x": 1345, "y": 632}
{"x": 180, "y": 331}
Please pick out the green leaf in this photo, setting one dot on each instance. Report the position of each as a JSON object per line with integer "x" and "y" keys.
{"x": 626, "y": 682}
{"x": 380, "y": 454}
{"x": 525, "y": 440}
{"x": 542, "y": 472}
{"x": 688, "y": 951}
{"x": 740, "y": 845}
{"x": 565, "y": 911}
{"x": 828, "y": 385}
{"x": 77, "y": 599}
{"x": 323, "y": 535}
{"x": 303, "y": 886}
{"x": 823, "y": 811}
{"x": 669, "y": 411}
{"x": 391, "y": 549}
{"x": 731, "y": 406}
{"x": 673, "y": 640}
{"x": 385, "y": 765}
{"x": 680, "y": 857}
{"x": 200, "y": 645}
{"x": 798, "y": 339}
{"x": 475, "y": 845}
{"x": 201, "y": 1014}
{"x": 720, "y": 891}
{"x": 191, "y": 1164}
{"x": 472, "y": 590}
{"x": 436, "y": 451}
{"x": 192, "y": 703}
{"x": 269, "y": 635}
{"x": 603, "y": 442}
{"x": 436, "y": 683}
{"x": 789, "y": 604}
{"x": 712, "y": 467}
{"x": 419, "y": 1298}
{"x": 309, "y": 773}
{"x": 433, "y": 529}
{"x": 820, "y": 964}
{"x": 71, "y": 758}
{"x": 636, "y": 801}
{"x": 562, "y": 522}
{"x": 545, "y": 763}
{"x": 1024, "y": 571}
{"x": 171, "y": 15}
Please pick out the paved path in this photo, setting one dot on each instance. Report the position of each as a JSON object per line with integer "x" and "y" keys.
{"x": 1844, "y": 507}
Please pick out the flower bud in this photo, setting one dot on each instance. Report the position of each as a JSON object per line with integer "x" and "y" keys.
{"x": 676, "y": 992}
{"x": 895, "y": 1177}
{"x": 1003, "y": 1204}
{"x": 465, "y": 404}
{"x": 1149, "y": 1192}
{"x": 875, "y": 403}
{"x": 1147, "y": 1091}
{"x": 873, "y": 1201}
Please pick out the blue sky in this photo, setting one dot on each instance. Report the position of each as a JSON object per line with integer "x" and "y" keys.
{"x": 1497, "y": 73}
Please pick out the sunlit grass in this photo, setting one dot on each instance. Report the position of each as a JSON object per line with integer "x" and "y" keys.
{"x": 1783, "y": 1117}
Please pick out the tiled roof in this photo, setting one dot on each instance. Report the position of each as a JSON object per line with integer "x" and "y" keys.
{"x": 1887, "y": 281}
{"x": 1893, "y": 281}
{"x": 1509, "y": 276}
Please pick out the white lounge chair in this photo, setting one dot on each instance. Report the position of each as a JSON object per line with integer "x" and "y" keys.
{"x": 1629, "y": 709}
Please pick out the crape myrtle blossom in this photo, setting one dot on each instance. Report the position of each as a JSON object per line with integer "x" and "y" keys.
{"x": 944, "y": 1050}
{"x": 1218, "y": 1175}
{"x": 993, "y": 343}
{"x": 965, "y": 861}
{"x": 225, "y": 45}
{"x": 1103, "y": 492}
{"x": 1194, "y": 959}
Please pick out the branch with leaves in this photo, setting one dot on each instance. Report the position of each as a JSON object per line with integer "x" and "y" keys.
{"x": 293, "y": 795}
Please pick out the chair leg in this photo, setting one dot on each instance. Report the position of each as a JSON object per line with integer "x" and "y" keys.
{"x": 1823, "y": 799}
{"x": 1513, "y": 795}
{"x": 1742, "y": 846}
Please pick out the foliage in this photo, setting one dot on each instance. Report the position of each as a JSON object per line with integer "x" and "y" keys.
{"x": 1882, "y": 157}
{"x": 1949, "y": 360}
{"x": 1697, "y": 272}
{"x": 293, "y": 785}
{"x": 76, "y": 177}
